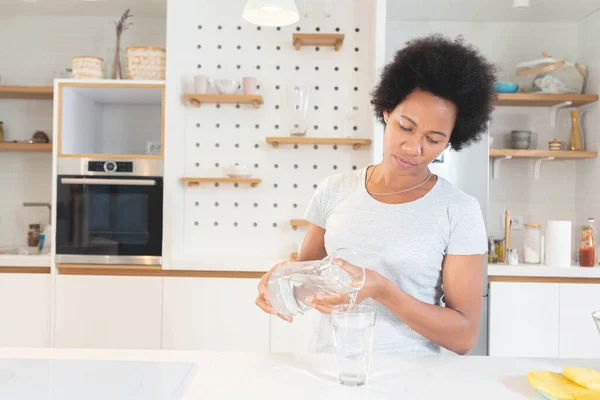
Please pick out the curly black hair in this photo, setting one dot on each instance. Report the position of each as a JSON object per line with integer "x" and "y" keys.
{"x": 448, "y": 69}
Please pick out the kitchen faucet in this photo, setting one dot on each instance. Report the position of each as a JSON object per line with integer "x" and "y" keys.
{"x": 26, "y": 204}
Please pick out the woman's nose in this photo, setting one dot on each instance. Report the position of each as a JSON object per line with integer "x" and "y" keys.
{"x": 412, "y": 147}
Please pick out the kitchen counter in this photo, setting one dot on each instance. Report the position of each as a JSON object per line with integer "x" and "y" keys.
{"x": 542, "y": 271}
{"x": 232, "y": 375}
{"x": 18, "y": 260}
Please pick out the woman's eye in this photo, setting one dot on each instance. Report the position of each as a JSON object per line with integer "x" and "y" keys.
{"x": 432, "y": 141}
{"x": 405, "y": 129}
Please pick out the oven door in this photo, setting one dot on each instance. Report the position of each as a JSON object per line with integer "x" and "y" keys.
{"x": 109, "y": 220}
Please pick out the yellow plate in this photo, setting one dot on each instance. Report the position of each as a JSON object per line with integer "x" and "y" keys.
{"x": 559, "y": 387}
{"x": 585, "y": 377}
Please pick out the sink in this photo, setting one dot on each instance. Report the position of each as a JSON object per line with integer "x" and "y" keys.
{"x": 22, "y": 251}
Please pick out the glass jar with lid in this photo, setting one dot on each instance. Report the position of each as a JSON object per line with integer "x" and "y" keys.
{"x": 533, "y": 243}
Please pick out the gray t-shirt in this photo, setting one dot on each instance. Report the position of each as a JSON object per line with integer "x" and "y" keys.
{"x": 404, "y": 242}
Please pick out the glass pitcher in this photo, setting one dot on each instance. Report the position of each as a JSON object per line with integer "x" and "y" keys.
{"x": 289, "y": 286}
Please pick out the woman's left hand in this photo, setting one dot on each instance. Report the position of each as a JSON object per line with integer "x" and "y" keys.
{"x": 372, "y": 288}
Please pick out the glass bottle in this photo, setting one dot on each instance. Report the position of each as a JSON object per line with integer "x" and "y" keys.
{"x": 533, "y": 243}
{"x": 587, "y": 251}
{"x": 492, "y": 256}
{"x": 297, "y": 96}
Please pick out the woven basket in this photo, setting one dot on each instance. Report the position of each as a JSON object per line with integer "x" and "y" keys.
{"x": 146, "y": 63}
{"x": 88, "y": 67}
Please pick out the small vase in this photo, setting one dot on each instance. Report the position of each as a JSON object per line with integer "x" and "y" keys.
{"x": 575, "y": 138}
{"x": 297, "y": 96}
{"x": 115, "y": 64}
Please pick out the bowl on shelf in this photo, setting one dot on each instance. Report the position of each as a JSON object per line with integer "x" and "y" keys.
{"x": 238, "y": 171}
{"x": 504, "y": 87}
{"x": 520, "y": 139}
{"x": 554, "y": 145}
{"x": 226, "y": 86}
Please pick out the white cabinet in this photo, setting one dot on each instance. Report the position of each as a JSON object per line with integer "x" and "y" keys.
{"x": 213, "y": 314}
{"x": 25, "y": 303}
{"x": 579, "y": 337}
{"x": 108, "y": 312}
{"x": 524, "y": 319}
{"x": 293, "y": 337}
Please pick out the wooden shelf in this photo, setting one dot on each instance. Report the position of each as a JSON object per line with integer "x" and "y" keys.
{"x": 298, "y": 223}
{"x": 543, "y": 100}
{"x": 557, "y": 155}
{"x": 318, "y": 39}
{"x": 253, "y": 182}
{"x": 197, "y": 99}
{"x": 355, "y": 143}
{"x": 32, "y": 147}
{"x": 539, "y": 157}
{"x": 26, "y": 92}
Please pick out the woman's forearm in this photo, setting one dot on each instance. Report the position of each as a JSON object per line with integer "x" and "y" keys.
{"x": 447, "y": 327}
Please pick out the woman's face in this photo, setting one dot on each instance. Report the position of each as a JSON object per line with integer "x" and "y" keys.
{"x": 417, "y": 131}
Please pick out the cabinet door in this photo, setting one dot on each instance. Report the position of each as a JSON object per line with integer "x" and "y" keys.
{"x": 579, "y": 336}
{"x": 25, "y": 303}
{"x": 524, "y": 319}
{"x": 213, "y": 314}
{"x": 110, "y": 312}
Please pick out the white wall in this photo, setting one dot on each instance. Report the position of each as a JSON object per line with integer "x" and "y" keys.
{"x": 31, "y": 49}
{"x": 192, "y": 239}
{"x": 507, "y": 44}
{"x": 588, "y": 172}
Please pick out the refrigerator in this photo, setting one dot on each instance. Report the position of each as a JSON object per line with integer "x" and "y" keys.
{"x": 458, "y": 167}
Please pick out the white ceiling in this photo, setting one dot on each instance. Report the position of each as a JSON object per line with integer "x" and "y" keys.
{"x": 141, "y": 8}
{"x": 490, "y": 10}
{"x": 397, "y": 10}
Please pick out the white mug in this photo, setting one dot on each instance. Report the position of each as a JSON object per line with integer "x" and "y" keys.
{"x": 201, "y": 84}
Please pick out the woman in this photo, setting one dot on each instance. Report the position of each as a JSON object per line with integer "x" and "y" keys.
{"x": 424, "y": 239}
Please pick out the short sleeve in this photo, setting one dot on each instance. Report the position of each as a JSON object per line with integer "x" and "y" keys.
{"x": 316, "y": 212}
{"x": 467, "y": 230}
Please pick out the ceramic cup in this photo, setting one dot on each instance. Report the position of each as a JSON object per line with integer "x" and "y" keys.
{"x": 249, "y": 85}
{"x": 201, "y": 84}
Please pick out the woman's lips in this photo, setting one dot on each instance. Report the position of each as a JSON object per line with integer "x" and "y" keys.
{"x": 403, "y": 162}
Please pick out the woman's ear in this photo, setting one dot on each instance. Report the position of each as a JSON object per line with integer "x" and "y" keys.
{"x": 386, "y": 116}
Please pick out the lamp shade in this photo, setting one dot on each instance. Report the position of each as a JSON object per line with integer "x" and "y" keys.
{"x": 271, "y": 12}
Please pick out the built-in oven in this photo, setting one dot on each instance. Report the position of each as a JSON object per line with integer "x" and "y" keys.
{"x": 109, "y": 211}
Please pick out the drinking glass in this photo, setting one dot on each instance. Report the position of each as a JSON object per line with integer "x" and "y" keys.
{"x": 596, "y": 316}
{"x": 353, "y": 339}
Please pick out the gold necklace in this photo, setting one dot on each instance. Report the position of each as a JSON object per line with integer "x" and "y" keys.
{"x": 389, "y": 194}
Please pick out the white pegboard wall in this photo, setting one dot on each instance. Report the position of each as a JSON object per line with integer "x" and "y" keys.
{"x": 254, "y": 222}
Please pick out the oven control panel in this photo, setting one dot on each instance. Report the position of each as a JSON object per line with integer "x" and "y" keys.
{"x": 110, "y": 166}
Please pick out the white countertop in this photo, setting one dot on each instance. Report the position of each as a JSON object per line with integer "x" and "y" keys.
{"x": 538, "y": 270}
{"x": 18, "y": 260}
{"x": 232, "y": 375}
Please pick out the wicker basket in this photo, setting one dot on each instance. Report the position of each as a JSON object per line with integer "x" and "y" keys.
{"x": 146, "y": 63}
{"x": 88, "y": 67}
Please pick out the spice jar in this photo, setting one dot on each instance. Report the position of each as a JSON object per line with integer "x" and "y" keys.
{"x": 513, "y": 256}
{"x": 533, "y": 243}
{"x": 500, "y": 246}
{"x": 492, "y": 256}
{"x": 33, "y": 235}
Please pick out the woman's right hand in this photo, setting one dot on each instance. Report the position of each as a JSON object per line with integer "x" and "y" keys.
{"x": 262, "y": 300}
